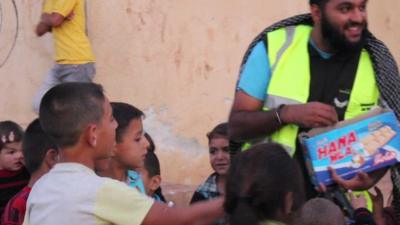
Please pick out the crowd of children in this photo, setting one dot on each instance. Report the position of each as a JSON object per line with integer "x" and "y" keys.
{"x": 88, "y": 161}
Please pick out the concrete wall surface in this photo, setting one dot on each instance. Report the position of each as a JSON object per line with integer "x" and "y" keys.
{"x": 177, "y": 60}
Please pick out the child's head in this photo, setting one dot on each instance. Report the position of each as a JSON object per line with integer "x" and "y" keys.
{"x": 218, "y": 143}
{"x": 11, "y": 157}
{"x": 40, "y": 151}
{"x": 131, "y": 147}
{"x": 152, "y": 146}
{"x": 264, "y": 183}
{"x": 150, "y": 173}
{"x": 320, "y": 211}
{"x": 78, "y": 116}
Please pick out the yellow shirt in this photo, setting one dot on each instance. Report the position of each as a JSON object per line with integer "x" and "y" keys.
{"x": 72, "y": 46}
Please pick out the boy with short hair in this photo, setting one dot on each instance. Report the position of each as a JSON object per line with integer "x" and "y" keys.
{"x": 151, "y": 175}
{"x": 78, "y": 116}
{"x": 40, "y": 154}
{"x": 13, "y": 174}
{"x": 214, "y": 186}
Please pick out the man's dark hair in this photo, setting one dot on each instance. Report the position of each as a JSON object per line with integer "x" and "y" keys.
{"x": 320, "y": 3}
{"x": 10, "y": 132}
{"x": 152, "y": 164}
{"x": 68, "y": 108}
{"x": 124, "y": 113}
{"x": 220, "y": 131}
{"x": 35, "y": 145}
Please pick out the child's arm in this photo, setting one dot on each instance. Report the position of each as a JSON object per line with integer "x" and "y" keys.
{"x": 202, "y": 213}
{"x": 377, "y": 201}
{"x": 361, "y": 214}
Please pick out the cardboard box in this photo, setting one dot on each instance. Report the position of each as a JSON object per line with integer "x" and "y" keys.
{"x": 365, "y": 143}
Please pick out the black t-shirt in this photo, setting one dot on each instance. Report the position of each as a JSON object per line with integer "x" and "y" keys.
{"x": 331, "y": 82}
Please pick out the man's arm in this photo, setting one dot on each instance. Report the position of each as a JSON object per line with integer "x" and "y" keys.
{"x": 248, "y": 121}
{"x": 43, "y": 27}
{"x": 202, "y": 213}
{"x": 54, "y": 19}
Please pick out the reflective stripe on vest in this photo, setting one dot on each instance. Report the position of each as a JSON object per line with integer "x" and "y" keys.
{"x": 290, "y": 81}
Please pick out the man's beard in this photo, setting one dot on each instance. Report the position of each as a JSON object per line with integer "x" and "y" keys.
{"x": 337, "y": 40}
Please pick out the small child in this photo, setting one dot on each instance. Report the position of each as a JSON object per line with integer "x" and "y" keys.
{"x": 131, "y": 146}
{"x": 152, "y": 148}
{"x": 319, "y": 211}
{"x": 214, "y": 186}
{"x": 40, "y": 154}
{"x": 129, "y": 154}
{"x": 151, "y": 176}
{"x": 13, "y": 175}
{"x": 263, "y": 186}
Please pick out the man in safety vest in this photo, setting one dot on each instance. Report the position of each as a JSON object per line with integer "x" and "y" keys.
{"x": 310, "y": 71}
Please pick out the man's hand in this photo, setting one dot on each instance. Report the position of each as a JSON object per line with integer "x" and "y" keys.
{"x": 70, "y": 16}
{"x": 309, "y": 115}
{"x": 362, "y": 181}
{"x": 41, "y": 29}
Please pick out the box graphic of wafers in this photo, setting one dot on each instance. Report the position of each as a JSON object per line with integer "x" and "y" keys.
{"x": 365, "y": 143}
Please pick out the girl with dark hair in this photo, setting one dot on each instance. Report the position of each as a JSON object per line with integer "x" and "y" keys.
{"x": 13, "y": 174}
{"x": 263, "y": 186}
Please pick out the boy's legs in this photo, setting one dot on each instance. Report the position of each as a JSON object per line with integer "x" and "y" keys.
{"x": 64, "y": 73}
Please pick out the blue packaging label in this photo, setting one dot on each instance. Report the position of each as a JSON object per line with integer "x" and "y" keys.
{"x": 366, "y": 145}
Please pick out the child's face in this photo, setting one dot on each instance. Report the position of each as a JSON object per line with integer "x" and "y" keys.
{"x": 219, "y": 155}
{"x": 151, "y": 184}
{"x": 131, "y": 151}
{"x": 11, "y": 157}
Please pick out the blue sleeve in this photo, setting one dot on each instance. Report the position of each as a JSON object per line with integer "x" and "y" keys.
{"x": 255, "y": 75}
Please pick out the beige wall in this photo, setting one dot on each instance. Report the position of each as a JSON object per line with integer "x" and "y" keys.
{"x": 176, "y": 59}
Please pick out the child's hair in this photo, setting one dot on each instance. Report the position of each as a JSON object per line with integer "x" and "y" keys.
{"x": 10, "y": 132}
{"x": 258, "y": 183}
{"x": 320, "y": 211}
{"x": 220, "y": 131}
{"x": 152, "y": 164}
{"x": 123, "y": 114}
{"x": 152, "y": 146}
{"x": 66, "y": 110}
{"x": 35, "y": 145}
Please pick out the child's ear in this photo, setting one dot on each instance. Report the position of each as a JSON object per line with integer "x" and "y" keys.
{"x": 91, "y": 135}
{"x": 51, "y": 158}
{"x": 155, "y": 182}
{"x": 288, "y": 203}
